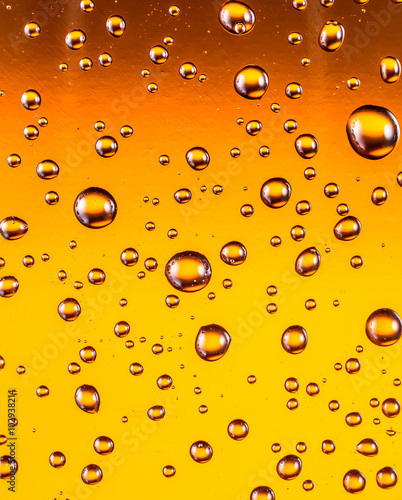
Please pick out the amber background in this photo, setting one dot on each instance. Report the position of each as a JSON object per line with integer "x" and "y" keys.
{"x": 180, "y": 115}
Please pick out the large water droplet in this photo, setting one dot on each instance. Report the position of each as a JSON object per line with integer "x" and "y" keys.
{"x": 391, "y": 407}
{"x": 95, "y": 208}
{"x": 201, "y": 452}
{"x": 289, "y": 467}
{"x": 251, "y": 82}
{"x": 31, "y": 99}
{"x": 13, "y": 228}
{"x": 262, "y": 493}
{"x": 238, "y": 429}
{"x": 188, "y": 271}
{"x": 236, "y": 17}
{"x": 87, "y": 398}
{"x": 92, "y": 474}
{"x": 390, "y": 69}
{"x": 294, "y": 339}
{"x": 354, "y": 481}
{"x": 47, "y": 169}
{"x": 373, "y": 131}
{"x": 331, "y": 36}
{"x": 308, "y": 262}
{"x": 69, "y": 309}
{"x": 275, "y": 192}
{"x": 233, "y": 253}
{"x": 307, "y": 146}
{"x": 158, "y": 54}
{"x": 367, "y": 447}
{"x": 75, "y": 39}
{"x": 8, "y": 286}
{"x": 347, "y": 228}
{"x": 197, "y": 158}
{"x": 384, "y": 327}
{"x": 212, "y": 342}
{"x": 386, "y": 478}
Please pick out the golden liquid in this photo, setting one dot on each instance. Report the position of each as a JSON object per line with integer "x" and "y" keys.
{"x": 225, "y": 140}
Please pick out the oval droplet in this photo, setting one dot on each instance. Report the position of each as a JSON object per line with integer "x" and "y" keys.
{"x": 367, "y": 447}
{"x": 384, "y": 327}
{"x": 233, "y": 253}
{"x": 95, "y": 208}
{"x": 87, "y": 398}
{"x": 212, "y": 342}
{"x": 236, "y": 17}
{"x": 354, "y": 481}
{"x": 183, "y": 196}
{"x": 13, "y": 228}
{"x": 390, "y": 69}
{"x": 347, "y": 229}
{"x": 331, "y": 36}
{"x": 308, "y": 262}
{"x": 251, "y": 82}
{"x": 103, "y": 445}
{"x": 188, "y": 271}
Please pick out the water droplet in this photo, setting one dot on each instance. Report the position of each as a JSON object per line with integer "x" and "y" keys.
{"x": 116, "y": 26}
{"x": 121, "y": 329}
{"x": 294, "y": 90}
{"x": 353, "y": 419}
{"x": 103, "y": 445}
{"x": 331, "y": 190}
{"x": 373, "y": 131}
{"x": 379, "y": 196}
{"x": 106, "y": 146}
{"x": 183, "y": 196}
{"x": 169, "y": 471}
{"x": 331, "y": 36}
{"x": 347, "y": 229}
{"x": 69, "y": 309}
{"x": 91, "y": 474}
{"x": 254, "y": 127}
{"x": 13, "y": 228}
{"x": 52, "y": 198}
{"x": 187, "y": 70}
{"x": 391, "y": 407}
{"x": 57, "y": 459}
{"x": 8, "y": 286}
{"x": 164, "y": 382}
{"x": 292, "y": 385}
{"x": 308, "y": 262}
{"x": 129, "y": 257}
{"x": 328, "y": 447}
{"x": 354, "y": 481}
{"x": 307, "y": 146}
{"x": 236, "y": 17}
{"x": 197, "y": 158}
{"x": 75, "y": 39}
{"x": 238, "y": 429}
{"x": 262, "y": 493}
{"x": 308, "y": 485}
{"x": 384, "y": 327}
{"x": 86, "y": 63}
{"x": 312, "y": 389}
{"x": 386, "y": 477}
{"x": 352, "y": 365}
{"x": 47, "y": 169}
{"x": 264, "y": 151}
{"x": 172, "y": 301}
{"x": 353, "y": 83}
{"x": 88, "y": 354}
{"x": 390, "y": 69}
{"x": 31, "y": 100}
{"x": 74, "y": 368}
{"x": 298, "y": 233}
{"x": 105, "y": 59}
{"x": 87, "y": 5}
{"x": 233, "y": 253}
{"x": 295, "y": 38}
{"x": 294, "y": 339}
{"x": 126, "y": 131}
{"x": 158, "y": 54}
{"x": 367, "y": 447}
{"x": 201, "y": 452}
{"x": 251, "y": 82}
{"x": 289, "y": 467}
{"x": 14, "y": 160}
{"x": 32, "y": 30}
{"x": 95, "y": 208}
{"x": 8, "y": 466}
{"x": 212, "y": 342}
{"x": 136, "y": 369}
{"x": 276, "y": 192}
{"x": 188, "y": 271}
{"x": 247, "y": 210}
{"x": 156, "y": 413}
{"x": 87, "y": 398}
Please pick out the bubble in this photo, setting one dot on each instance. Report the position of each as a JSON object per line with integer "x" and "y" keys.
{"x": 8, "y": 466}
{"x": 237, "y": 17}
{"x": 384, "y": 327}
{"x": 13, "y": 228}
{"x": 188, "y": 271}
{"x": 32, "y": 30}
{"x": 353, "y": 83}
{"x": 212, "y": 342}
{"x": 292, "y": 384}
{"x": 294, "y": 38}
{"x": 52, "y": 198}
{"x": 328, "y": 447}
{"x": 238, "y": 429}
{"x": 331, "y": 36}
{"x": 69, "y": 309}
{"x": 164, "y": 382}
{"x": 254, "y": 127}
{"x": 169, "y": 471}
{"x": 201, "y": 452}
{"x": 168, "y": 40}
{"x": 187, "y": 70}
{"x": 172, "y": 301}
{"x": 390, "y": 69}
{"x": 75, "y": 39}
{"x": 103, "y": 445}
{"x": 251, "y": 82}
{"x": 251, "y": 379}
{"x": 347, "y": 229}
{"x": 174, "y": 10}
{"x": 367, "y": 447}
{"x": 57, "y": 459}
{"x": 96, "y": 276}
{"x": 308, "y": 485}
{"x": 290, "y": 126}
{"x": 136, "y": 369}
{"x": 308, "y": 262}
{"x": 312, "y": 389}
{"x": 87, "y": 5}
{"x": 354, "y": 481}
{"x": 353, "y": 419}
{"x": 197, "y": 158}
{"x": 264, "y": 151}
{"x": 379, "y": 196}
{"x": 334, "y": 405}
{"x": 95, "y": 208}
{"x": 391, "y": 407}
{"x": 86, "y": 63}
{"x": 276, "y": 192}
{"x": 87, "y": 398}
{"x": 298, "y": 233}
{"x": 294, "y": 339}
{"x": 88, "y": 354}
{"x": 386, "y": 478}
{"x": 235, "y": 152}
{"x": 14, "y": 160}
{"x": 352, "y": 365}
{"x": 156, "y": 413}
{"x": 294, "y": 90}
{"x": 106, "y": 146}
{"x": 233, "y": 253}
{"x": 74, "y": 368}
{"x": 116, "y": 26}
{"x": 307, "y": 146}
{"x": 247, "y": 210}
{"x": 31, "y": 132}
{"x": 129, "y": 257}
{"x": 126, "y": 131}
{"x": 63, "y": 67}
{"x": 262, "y": 493}
{"x": 28, "y": 261}
{"x": 92, "y": 474}
{"x": 31, "y": 100}
{"x": 121, "y": 329}
{"x": 373, "y": 131}
{"x": 105, "y": 59}
{"x": 158, "y": 54}
{"x": 331, "y": 190}
{"x": 289, "y": 467}
{"x": 183, "y": 196}
{"x": 47, "y": 169}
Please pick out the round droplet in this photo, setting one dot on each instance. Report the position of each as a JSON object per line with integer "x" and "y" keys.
{"x": 188, "y": 70}
{"x": 352, "y": 365}
{"x": 384, "y": 327}
{"x": 87, "y": 398}
{"x": 126, "y": 131}
{"x": 105, "y": 59}
{"x": 379, "y": 196}
{"x": 294, "y": 339}
{"x": 298, "y": 233}
{"x": 331, "y": 36}
{"x": 87, "y": 5}
{"x": 103, "y": 445}
{"x": 308, "y": 262}
{"x": 14, "y": 160}
{"x": 75, "y": 39}
{"x": 236, "y": 17}
{"x": 367, "y": 447}
{"x": 172, "y": 301}
{"x": 188, "y": 271}
{"x": 264, "y": 151}
{"x": 289, "y": 467}
{"x": 308, "y": 485}
{"x": 136, "y": 369}
{"x": 295, "y": 38}
{"x": 238, "y": 429}
{"x": 13, "y": 228}
{"x": 233, "y": 253}
{"x": 106, "y": 146}
{"x": 312, "y": 389}
{"x": 331, "y": 190}
{"x": 201, "y": 452}
{"x": 307, "y": 146}
{"x": 294, "y": 90}
{"x": 254, "y": 127}
{"x": 328, "y": 447}
{"x": 31, "y": 100}
{"x": 292, "y": 384}
{"x": 347, "y": 229}
{"x": 164, "y": 382}
{"x": 373, "y": 131}
{"x": 91, "y": 474}
{"x": 247, "y": 210}
{"x": 353, "y": 419}
{"x": 116, "y": 26}
{"x": 197, "y": 158}
{"x": 169, "y": 471}
{"x": 47, "y": 169}
{"x": 356, "y": 262}
{"x": 88, "y": 354}
{"x": 96, "y": 276}
{"x": 183, "y": 196}
{"x": 251, "y": 82}
{"x": 57, "y": 459}
{"x": 86, "y": 63}
{"x": 74, "y": 368}
{"x": 391, "y": 407}
{"x": 212, "y": 342}
{"x": 32, "y": 30}
{"x": 390, "y": 69}
{"x": 129, "y": 257}
{"x": 262, "y": 493}
{"x": 276, "y": 192}
{"x": 69, "y": 309}
{"x": 386, "y": 478}
{"x": 8, "y": 466}
{"x": 158, "y": 54}
{"x": 354, "y": 481}
{"x": 95, "y": 208}
{"x": 121, "y": 329}
{"x": 353, "y": 83}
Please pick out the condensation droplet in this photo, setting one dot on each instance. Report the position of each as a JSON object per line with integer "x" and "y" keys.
{"x": 308, "y": 262}
{"x": 95, "y": 208}
{"x": 251, "y": 82}
{"x": 87, "y": 398}
{"x": 384, "y": 327}
{"x": 331, "y": 36}
{"x": 188, "y": 271}
{"x": 201, "y": 452}
{"x": 236, "y": 17}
